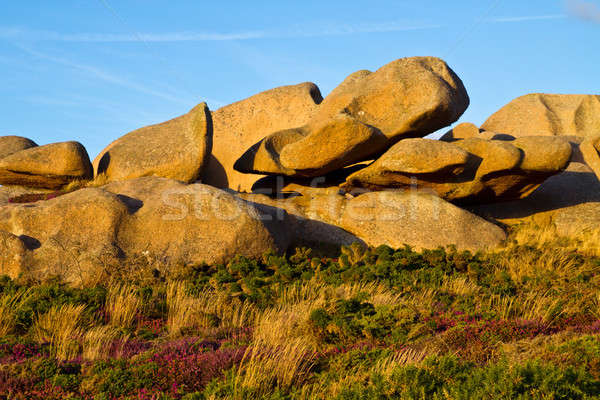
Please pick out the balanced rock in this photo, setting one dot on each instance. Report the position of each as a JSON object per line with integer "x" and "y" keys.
{"x": 12, "y": 144}
{"x": 176, "y": 149}
{"x": 548, "y": 115}
{"x": 50, "y": 166}
{"x": 466, "y": 171}
{"x": 239, "y": 125}
{"x": 362, "y": 117}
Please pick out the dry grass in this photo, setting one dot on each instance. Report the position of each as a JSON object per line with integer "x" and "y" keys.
{"x": 266, "y": 366}
{"x": 97, "y": 342}
{"x": 9, "y": 304}
{"x": 61, "y": 328}
{"x": 98, "y": 181}
{"x": 122, "y": 306}
{"x": 207, "y": 310}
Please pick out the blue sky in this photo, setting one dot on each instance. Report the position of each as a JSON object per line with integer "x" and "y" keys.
{"x": 94, "y": 70}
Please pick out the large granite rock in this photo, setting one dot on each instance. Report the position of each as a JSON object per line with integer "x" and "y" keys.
{"x": 466, "y": 171}
{"x": 362, "y": 117}
{"x": 50, "y": 166}
{"x": 194, "y": 224}
{"x": 80, "y": 235}
{"x": 176, "y": 149}
{"x": 239, "y": 125}
{"x": 548, "y": 115}
{"x": 73, "y": 236}
{"x": 12, "y": 144}
{"x": 393, "y": 218}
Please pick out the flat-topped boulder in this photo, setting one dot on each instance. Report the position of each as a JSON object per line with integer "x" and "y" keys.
{"x": 238, "y": 126}
{"x": 466, "y": 171}
{"x": 362, "y": 117}
{"x": 540, "y": 114}
{"x": 13, "y": 144}
{"x": 50, "y": 166}
{"x": 176, "y": 149}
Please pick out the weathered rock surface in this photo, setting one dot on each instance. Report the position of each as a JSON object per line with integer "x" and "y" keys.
{"x": 176, "y": 149}
{"x": 571, "y": 189}
{"x": 50, "y": 166}
{"x": 73, "y": 236}
{"x": 466, "y": 171}
{"x": 363, "y": 116}
{"x": 192, "y": 224}
{"x": 239, "y": 125}
{"x": 394, "y": 218}
{"x": 13, "y": 255}
{"x": 590, "y": 149}
{"x": 421, "y": 220}
{"x": 77, "y": 235}
{"x": 12, "y": 144}
{"x": 548, "y": 115}
{"x": 466, "y": 130}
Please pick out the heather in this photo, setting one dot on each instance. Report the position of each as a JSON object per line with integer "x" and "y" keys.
{"x": 352, "y": 323}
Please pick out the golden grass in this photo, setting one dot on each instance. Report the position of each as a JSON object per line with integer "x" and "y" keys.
{"x": 123, "y": 305}
{"x": 99, "y": 180}
{"x": 9, "y": 304}
{"x": 97, "y": 342}
{"x": 265, "y": 366}
{"x": 206, "y": 310}
{"x": 61, "y": 328}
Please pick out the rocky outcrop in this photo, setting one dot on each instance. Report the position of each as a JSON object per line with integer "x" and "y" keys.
{"x": 395, "y": 218}
{"x": 176, "y": 149}
{"x": 51, "y": 166}
{"x": 73, "y": 236}
{"x": 13, "y": 144}
{"x": 466, "y": 171}
{"x": 79, "y": 235}
{"x": 548, "y": 115}
{"x": 362, "y": 117}
{"x": 194, "y": 224}
{"x": 237, "y": 126}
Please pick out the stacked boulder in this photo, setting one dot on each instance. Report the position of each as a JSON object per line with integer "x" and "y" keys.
{"x": 287, "y": 167}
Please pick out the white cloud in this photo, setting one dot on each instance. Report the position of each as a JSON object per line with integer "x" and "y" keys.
{"x": 585, "y": 10}
{"x": 12, "y": 33}
{"x": 527, "y": 18}
{"x": 99, "y": 74}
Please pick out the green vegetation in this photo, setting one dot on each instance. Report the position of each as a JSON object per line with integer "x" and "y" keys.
{"x": 523, "y": 322}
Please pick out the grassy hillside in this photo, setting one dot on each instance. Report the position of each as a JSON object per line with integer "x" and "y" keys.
{"x": 522, "y": 322}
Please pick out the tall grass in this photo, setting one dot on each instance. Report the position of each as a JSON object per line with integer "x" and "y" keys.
{"x": 9, "y": 304}
{"x": 122, "y": 306}
{"x": 61, "y": 328}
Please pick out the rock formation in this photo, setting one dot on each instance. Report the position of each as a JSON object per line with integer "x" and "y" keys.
{"x": 176, "y": 149}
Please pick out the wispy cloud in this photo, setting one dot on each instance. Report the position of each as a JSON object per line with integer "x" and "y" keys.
{"x": 527, "y": 18}
{"x": 585, "y": 10}
{"x": 102, "y": 75}
{"x": 300, "y": 31}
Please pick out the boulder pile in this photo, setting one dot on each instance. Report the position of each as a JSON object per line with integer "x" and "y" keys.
{"x": 288, "y": 167}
